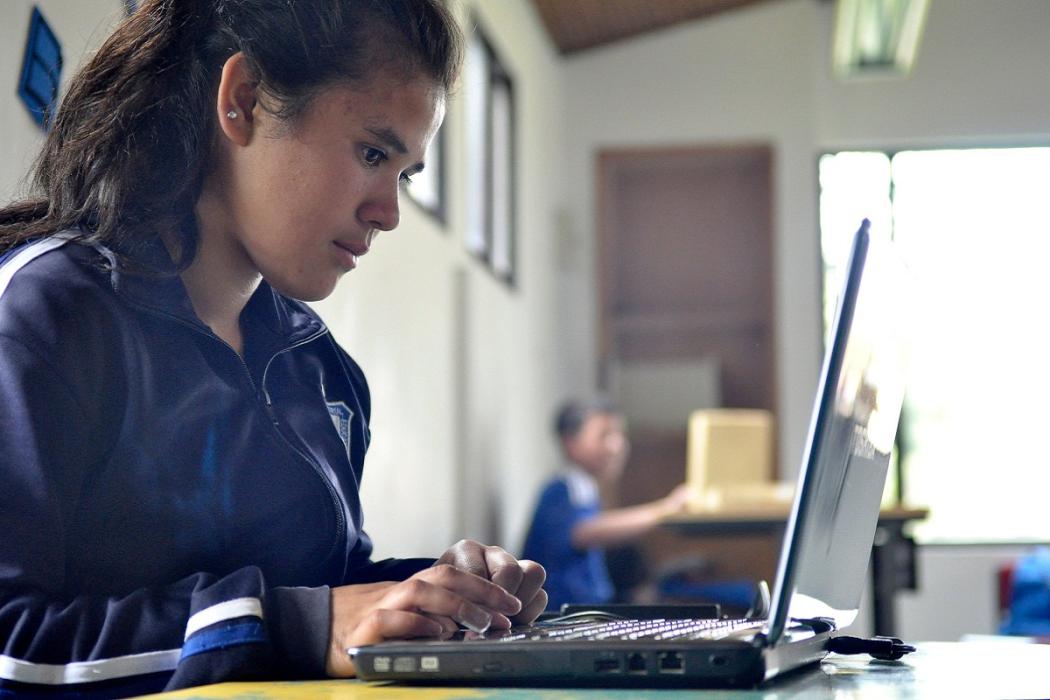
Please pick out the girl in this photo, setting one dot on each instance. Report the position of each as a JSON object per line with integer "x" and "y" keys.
{"x": 181, "y": 440}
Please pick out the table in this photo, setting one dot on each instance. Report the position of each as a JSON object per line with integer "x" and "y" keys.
{"x": 893, "y": 560}
{"x": 956, "y": 670}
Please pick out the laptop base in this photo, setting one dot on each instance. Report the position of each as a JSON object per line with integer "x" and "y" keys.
{"x": 724, "y": 663}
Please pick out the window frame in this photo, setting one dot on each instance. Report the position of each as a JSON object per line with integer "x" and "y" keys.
{"x": 496, "y": 77}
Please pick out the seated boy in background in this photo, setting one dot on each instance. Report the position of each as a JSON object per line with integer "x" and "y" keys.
{"x": 569, "y": 529}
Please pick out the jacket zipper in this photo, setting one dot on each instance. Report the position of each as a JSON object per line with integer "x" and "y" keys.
{"x": 268, "y": 403}
{"x": 268, "y": 406}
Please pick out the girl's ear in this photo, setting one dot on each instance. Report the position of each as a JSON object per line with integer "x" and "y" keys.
{"x": 236, "y": 100}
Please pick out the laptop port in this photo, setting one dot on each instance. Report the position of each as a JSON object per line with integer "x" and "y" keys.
{"x": 671, "y": 662}
{"x": 608, "y": 665}
{"x": 636, "y": 663}
{"x": 717, "y": 660}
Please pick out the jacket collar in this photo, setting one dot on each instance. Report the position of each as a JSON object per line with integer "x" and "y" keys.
{"x": 162, "y": 292}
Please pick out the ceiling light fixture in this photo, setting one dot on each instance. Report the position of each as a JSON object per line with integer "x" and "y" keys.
{"x": 877, "y": 38}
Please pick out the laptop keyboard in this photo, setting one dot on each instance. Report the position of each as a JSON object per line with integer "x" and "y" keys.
{"x": 632, "y": 629}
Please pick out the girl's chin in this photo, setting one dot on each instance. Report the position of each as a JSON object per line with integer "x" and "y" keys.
{"x": 314, "y": 291}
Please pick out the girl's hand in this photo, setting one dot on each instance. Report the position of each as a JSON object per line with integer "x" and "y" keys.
{"x": 432, "y": 603}
{"x": 523, "y": 578}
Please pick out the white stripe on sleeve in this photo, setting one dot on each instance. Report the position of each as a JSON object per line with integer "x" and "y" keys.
{"x": 238, "y": 607}
{"x": 13, "y": 669}
{"x": 22, "y": 671}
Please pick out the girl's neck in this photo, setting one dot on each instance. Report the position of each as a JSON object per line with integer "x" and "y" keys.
{"x": 221, "y": 278}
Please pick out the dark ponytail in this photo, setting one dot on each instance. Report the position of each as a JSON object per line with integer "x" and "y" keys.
{"x": 131, "y": 144}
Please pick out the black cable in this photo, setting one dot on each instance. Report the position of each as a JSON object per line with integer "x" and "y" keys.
{"x": 882, "y": 648}
{"x": 581, "y": 616}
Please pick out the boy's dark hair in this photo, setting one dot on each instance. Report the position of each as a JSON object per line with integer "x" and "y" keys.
{"x": 130, "y": 146}
{"x": 574, "y": 413}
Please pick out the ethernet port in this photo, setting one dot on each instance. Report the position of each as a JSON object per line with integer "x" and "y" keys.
{"x": 636, "y": 663}
{"x": 671, "y": 662}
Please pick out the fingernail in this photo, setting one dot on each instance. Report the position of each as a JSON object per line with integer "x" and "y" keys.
{"x": 473, "y": 618}
{"x": 500, "y": 622}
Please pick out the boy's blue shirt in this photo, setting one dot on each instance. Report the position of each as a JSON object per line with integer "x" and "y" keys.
{"x": 573, "y": 575}
{"x": 172, "y": 514}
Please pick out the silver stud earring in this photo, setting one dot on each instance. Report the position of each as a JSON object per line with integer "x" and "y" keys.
{"x": 232, "y": 114}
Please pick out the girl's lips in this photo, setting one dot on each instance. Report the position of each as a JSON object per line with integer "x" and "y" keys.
{"x": 357, "y": 249}
{"x": 347, "y": 256}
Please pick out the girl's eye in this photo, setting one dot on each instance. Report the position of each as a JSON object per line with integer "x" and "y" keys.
{"x": 373, "y": 156}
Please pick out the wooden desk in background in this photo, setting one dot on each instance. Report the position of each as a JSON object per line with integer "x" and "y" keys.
{"x": 968, "y": 670}
{"x": 893, "y": 563}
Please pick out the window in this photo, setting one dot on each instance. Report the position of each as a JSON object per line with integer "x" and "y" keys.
{"x": 427, "y": 188}
{"x": 490, "y": 123}
{"x": 972, "y": 226}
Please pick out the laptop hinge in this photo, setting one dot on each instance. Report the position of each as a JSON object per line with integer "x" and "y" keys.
{"x": 819, "y": 625}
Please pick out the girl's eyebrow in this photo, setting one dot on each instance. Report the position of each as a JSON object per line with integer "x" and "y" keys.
{"x": 389, "y": 137}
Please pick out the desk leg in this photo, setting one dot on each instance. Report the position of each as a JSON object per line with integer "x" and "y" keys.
{"x": 892, "y": 570}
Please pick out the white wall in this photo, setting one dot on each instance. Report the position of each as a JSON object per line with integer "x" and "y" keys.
{"x": 957, "y": 593}
{"x": 80, "y": 26}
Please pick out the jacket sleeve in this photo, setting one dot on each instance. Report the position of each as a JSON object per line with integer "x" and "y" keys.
{"x": 200, "y": 629}
{"x": 389, "y": 570}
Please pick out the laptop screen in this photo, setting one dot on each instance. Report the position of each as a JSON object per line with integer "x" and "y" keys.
{"x": 828, "y": 542}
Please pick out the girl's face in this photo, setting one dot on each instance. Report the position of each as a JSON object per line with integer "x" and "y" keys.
{"x": 302, "y": 201}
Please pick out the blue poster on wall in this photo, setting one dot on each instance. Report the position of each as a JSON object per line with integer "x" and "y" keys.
{"x": 41, "y": 70}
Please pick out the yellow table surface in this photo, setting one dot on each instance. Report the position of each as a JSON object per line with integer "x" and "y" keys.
{"x": 986, "y": 670}
{"x": 358, "y": 690}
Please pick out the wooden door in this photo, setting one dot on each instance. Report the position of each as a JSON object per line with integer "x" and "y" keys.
{"x": 686, "y": 275}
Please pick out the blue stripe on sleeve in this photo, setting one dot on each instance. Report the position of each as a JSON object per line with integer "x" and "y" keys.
{"x": 228, "y": 635}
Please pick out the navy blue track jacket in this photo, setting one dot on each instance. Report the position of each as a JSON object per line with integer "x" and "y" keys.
{"x": 170, "y": 513}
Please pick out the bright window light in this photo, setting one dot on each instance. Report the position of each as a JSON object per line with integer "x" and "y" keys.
{"x": 972, "y": 226}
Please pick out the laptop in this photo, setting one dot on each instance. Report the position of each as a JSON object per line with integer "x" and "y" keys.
{"x": 823, "y": 560}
